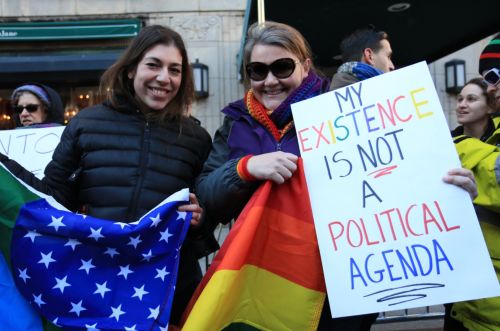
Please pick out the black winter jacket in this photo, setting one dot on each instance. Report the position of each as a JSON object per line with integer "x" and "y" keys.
{"x": 118, "y": 166}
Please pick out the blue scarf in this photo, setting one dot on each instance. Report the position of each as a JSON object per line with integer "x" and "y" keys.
{"x": 359, "y": 70}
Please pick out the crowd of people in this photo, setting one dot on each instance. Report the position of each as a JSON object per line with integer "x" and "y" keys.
{"x": 119, "y": 159}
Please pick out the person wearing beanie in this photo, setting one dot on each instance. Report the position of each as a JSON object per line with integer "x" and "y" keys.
{"x": 482, "y": 157}
{"x": 489, "y": 66}
{"x": 36, "y": 106}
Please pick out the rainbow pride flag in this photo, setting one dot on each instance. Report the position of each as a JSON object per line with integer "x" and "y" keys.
{"x": 268, "y": 273}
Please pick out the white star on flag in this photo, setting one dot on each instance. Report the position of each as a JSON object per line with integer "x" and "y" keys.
{"x": 154, "y": 312}
{"x": 38, "y": 300}
{"x": 162, "y": 273}
{"x": 131, "y": 328}
{"x": 147, "y": 256}
{"x": 72, "y": 243}
{"x": 117, "y": 312}
{"x": 23, "y": 274}
{"x": 101, "y": 289}
{"x": 92, "y": 327}
{"x": 155, "y": 220}
{"x": 87, "y": 265}
{"x": 56, "y": 222}
{"x": 55, "y": 322}
{"x": 61, "y": 284}
{"x": 165, "y": 235}
{"x": 32, "y": 235}
{"x": 124, "y": 271}
{"x": 164, "y": 329}
{"x": 139, "y": 292}
{"x": 77, "y": 308}
{"x": 135, "y": 241}
{"x": 122, "y": 224}
{"x": 46, "y": 259}
{"x": 182, "y": 215}
{"x": 96, "y": 234}
{"x": 111, "y": 251}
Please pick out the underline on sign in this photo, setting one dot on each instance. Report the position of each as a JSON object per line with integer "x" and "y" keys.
{"x": 383, "y": 171}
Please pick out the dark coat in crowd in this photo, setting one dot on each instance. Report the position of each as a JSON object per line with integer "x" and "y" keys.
{"x": 341, "y": 79}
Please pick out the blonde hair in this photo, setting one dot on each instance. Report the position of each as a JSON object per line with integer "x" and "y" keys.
{"x": 277, "y": 34}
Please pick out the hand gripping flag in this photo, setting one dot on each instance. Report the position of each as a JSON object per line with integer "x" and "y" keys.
{"x": 84, "y": 273}
{"x": 268, "y": 273}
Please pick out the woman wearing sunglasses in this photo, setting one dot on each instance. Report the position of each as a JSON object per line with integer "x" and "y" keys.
{"x": 120, "y": 159}
{"x": 478, "y": 143}
{"x": 257, "y": 140}
{"x": 37, "y": 106}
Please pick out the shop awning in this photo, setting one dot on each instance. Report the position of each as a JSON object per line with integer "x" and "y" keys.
{"x": 55, "y": 70}
{"x": 69, "y": 30}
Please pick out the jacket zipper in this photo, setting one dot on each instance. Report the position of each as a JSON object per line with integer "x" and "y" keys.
{"x": 278, "y": 145}
{"x": 141, "y": 171}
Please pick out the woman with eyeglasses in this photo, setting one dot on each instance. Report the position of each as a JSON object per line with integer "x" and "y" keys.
{"x": 120, "y": 159}
{"x": 37, "y": 106}
{"x": 478, "y": 145}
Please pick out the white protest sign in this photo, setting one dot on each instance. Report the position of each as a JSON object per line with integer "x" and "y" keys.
{"x": 31, "y": 148}
{"x": 392, "y": 234}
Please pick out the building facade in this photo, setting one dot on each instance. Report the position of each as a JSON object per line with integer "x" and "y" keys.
{"x": 212, "y": 31}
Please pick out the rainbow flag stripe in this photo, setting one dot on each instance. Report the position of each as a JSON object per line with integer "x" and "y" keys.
{"x": 268, "y": 273}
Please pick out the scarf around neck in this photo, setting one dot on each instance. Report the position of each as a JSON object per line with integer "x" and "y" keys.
{"x": 359, "y": 70}
{"x": 279, "y": 120}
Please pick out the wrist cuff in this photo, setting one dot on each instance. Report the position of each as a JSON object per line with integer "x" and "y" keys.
{"x": 242, "y": 170}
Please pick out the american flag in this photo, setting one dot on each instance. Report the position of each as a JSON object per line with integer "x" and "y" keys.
{"x": 84, "y": 273}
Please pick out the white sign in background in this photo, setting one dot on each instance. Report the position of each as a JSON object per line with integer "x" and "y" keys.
{"x": 392, "y": 234}
{"x": 31, "y": 148}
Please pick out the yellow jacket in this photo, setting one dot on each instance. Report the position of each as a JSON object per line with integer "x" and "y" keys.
{"x": 483, "y": 159}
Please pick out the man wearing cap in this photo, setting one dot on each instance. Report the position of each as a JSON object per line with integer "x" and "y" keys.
{"x": 489, "y": 66}
{"x": 366, "y": 53}
{"x": 483, "y": 159}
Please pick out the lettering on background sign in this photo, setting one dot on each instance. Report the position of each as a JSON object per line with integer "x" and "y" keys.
{"x": 40, "y": 145}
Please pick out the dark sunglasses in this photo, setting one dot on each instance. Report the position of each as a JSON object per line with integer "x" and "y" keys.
{"x": 492, "y": 77}
{"x": 281, "y": 68}
{"x": 31, "y": 108}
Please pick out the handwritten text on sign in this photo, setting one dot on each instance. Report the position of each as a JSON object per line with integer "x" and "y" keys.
{"x": 31, "y": 148}
{"x": 392, "y": 234}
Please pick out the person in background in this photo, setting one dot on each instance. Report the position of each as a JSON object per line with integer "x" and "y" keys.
{"x": 477, "y": 143}
{"x": 474, "y": 111}
{"x": 365, "y": 54}
{"x": 37, "y": 106}
{"x": 120, "y": 159}
{"x": 70, "y": 111}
